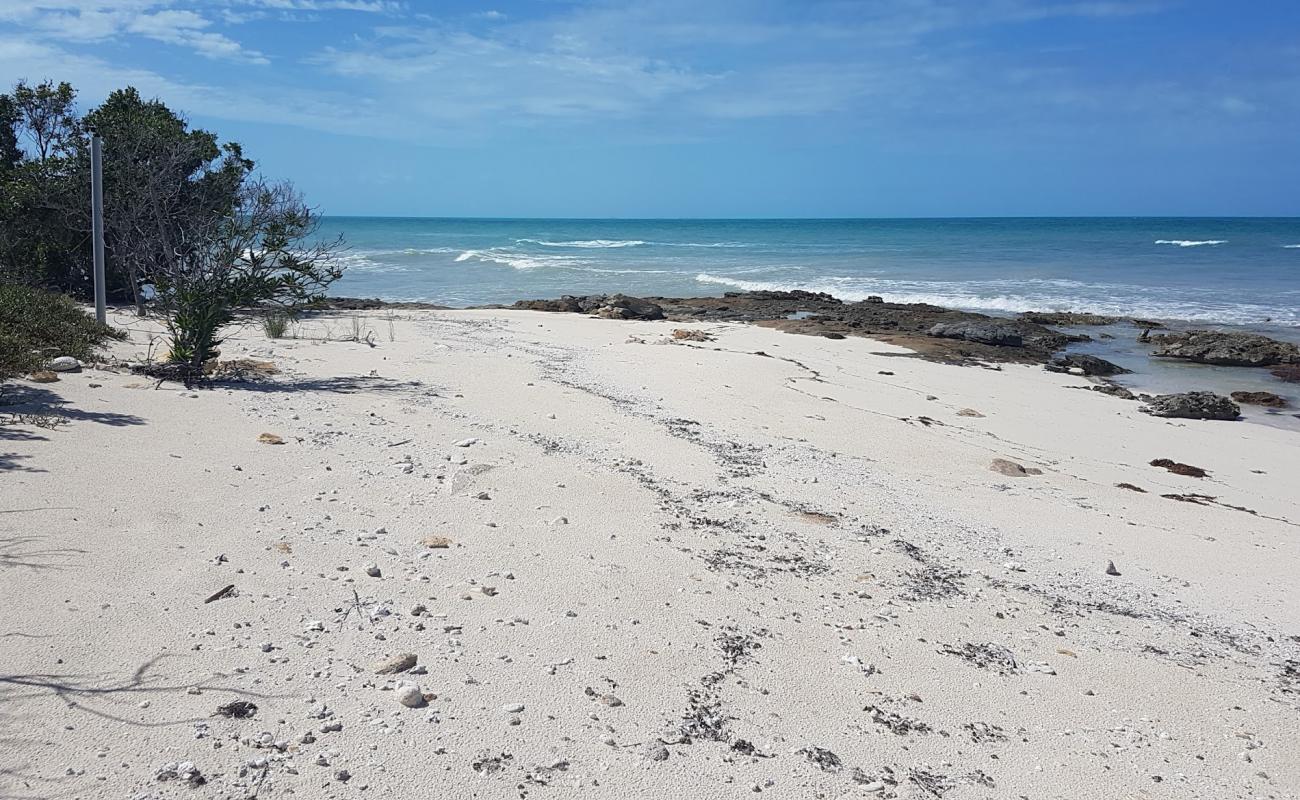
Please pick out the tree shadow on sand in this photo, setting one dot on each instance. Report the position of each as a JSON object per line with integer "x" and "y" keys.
{"x": 24, "y": 407}
{"x": 22, "y": 551}
{"x": 94, "y": 693}
{"x": 342, "y": 384}
{"x": 21, "y": 404}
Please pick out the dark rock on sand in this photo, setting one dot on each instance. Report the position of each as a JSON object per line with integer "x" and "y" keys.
{"x": 1091, "y": 365}
{"x": 1115, "y": 391}
{"x": 1179, "y": 468}
{"x": 1069, "y": 318}
{"x": 1226, "y": 348}
{"x": 1192, "y": 405}
{"x": 613, "y": 306}
{"x": 1267, "y": 399}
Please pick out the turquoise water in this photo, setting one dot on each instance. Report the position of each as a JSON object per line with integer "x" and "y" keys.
{"x": 1233, "y": 271}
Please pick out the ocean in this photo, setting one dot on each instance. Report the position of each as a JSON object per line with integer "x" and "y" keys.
{"x": 1239, "y": 271}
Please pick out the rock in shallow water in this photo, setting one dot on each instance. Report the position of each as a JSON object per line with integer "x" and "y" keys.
{"x": 1267, "y": 399}
{"x": 1226, "y": 348}
{"x": 1192, "y": 405}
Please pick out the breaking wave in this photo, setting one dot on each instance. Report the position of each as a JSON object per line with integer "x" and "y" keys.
{"x": 594, "y": 244}
{"x": 1044, "y": 295}
{"x": 1191, "y": 243}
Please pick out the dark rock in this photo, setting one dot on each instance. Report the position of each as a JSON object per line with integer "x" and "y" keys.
{"x": 1115, "y": 391}
{"x": 613, "y": 306}
{"x": 1260, "y": 399}
{"x": 371, "y": 304}
{"x": 874, "y": 298}
{"x": 1192, "y": 405}
{"x": 1091, "y": 365}
{"x": 1226, "y": 348}
{"x": 239, "y": 709}
{"x": 988, "y": 331}
{"x": 1179, "y": 468}
{"x": 1069, "y": 318}
{"x": 1289, "y": 374}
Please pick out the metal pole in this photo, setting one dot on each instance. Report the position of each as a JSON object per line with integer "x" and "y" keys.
{"x": 97, "y": 223}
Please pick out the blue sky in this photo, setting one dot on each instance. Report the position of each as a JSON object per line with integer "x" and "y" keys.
{"x": 714, "y": 108}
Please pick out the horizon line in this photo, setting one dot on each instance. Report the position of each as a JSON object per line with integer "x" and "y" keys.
{"x": 818, "y": 219}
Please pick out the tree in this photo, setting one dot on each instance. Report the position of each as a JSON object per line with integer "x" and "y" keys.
{"x": 37, "y": 243}
{"x": 260, "y": 253}
{"x": 49, "y": 116}
{"x": 161, "y": 179}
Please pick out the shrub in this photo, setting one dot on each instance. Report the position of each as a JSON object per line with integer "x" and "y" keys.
{"x": 275, "y": 325}
{"x": 36, "y": 325}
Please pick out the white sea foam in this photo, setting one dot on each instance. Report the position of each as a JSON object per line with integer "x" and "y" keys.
{"x": 1191, "y": 243}
{"x": 1053, "y": 296}
{"x": 518, "y": 260}
{"x": 1291, "y": 246}
{"x": 585, "y": 243}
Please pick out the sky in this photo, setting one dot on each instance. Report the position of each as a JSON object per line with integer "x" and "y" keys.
{"x": 714, "y": 108}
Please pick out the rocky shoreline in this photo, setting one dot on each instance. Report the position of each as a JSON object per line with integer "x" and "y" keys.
{"x": 953, "y": 336}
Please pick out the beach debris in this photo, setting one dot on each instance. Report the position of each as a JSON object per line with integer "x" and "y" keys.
{"x": 180, "y": 771}
{"x": 465, "y": 442}
{"x": 409, "y": 695}
{"x": 833, "y": 335}
{"x": 398, "y": 663}
{"x": 65, "y": 364}
{"x": 1179, "y": 468}
{"x": 270, "y": 438}
{"x": 371, "y": 569}
{"x": 1110, "y": 569}
{"x": 985, "y": 656}
{"x": 222, "y": 594}
{"x": 823, "y": 758}
{"x": 884, "y": 372}
{"x": 239, "y": 709}
{"x": 1266, "y": 399}
{"x": 1130, "y": 487}
{"x": 1011, "y": 469}
{"x": 436, "y": 542}
{"x": 969, "y": 412}
{"x": 43, "y": 376}
{"x": 512, "y": 708}
{"x": 688, "y": 335}
{"x": 1192, "y": 405}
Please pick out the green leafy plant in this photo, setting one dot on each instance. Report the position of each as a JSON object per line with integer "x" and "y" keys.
{"x": 37, "y": 325}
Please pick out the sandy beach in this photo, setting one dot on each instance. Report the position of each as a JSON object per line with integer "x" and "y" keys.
{"x": 628, "y": 565}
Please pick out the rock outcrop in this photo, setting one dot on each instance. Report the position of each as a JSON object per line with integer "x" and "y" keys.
{"x": 612, "y": 306}
{"x": 1192, "y": 405}
{"x": 1226, "y": 348}
{"x": 1266, "y": 399}
{"x": 1091, "y": 365}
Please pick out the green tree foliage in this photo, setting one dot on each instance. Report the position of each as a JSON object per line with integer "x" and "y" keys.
{"x": 186, "y": 220}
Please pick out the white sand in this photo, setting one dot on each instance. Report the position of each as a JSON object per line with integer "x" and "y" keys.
{"x": 685, "y": 583}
